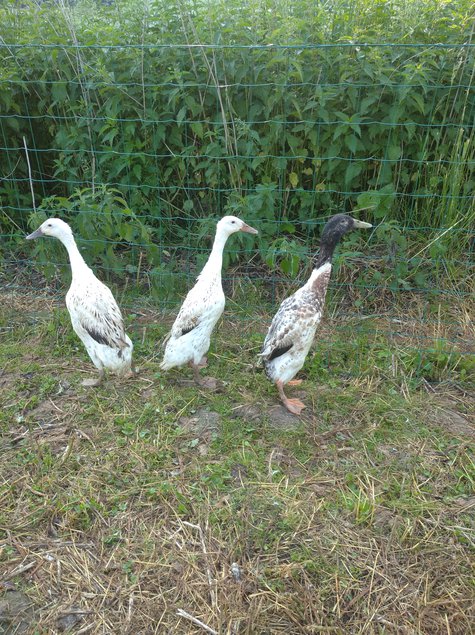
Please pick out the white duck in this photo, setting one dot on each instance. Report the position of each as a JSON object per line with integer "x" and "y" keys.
{"x": 95, "y": 316}
{"x": 294, "y": 325}
{"x": 189, "y": 338}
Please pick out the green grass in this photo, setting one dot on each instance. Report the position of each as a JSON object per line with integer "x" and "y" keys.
{"x": 355, "y": 518}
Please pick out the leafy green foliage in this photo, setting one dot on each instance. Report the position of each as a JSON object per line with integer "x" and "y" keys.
{"x": 281, "y": 135}
{"x": 108, "y": 231}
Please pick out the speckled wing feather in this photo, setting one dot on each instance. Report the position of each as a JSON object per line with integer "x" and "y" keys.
{"x": 185, "y": 322}
{"x": 286, "y": 325}
{"x": 296, "y": 314}
{"x": 96, "y": 311}
{"x": 195, "y": 307}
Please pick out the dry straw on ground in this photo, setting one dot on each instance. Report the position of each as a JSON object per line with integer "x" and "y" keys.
{"x": 150, "y": 507}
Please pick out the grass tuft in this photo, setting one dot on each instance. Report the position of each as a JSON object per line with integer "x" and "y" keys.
{"x": 150, "y": 506}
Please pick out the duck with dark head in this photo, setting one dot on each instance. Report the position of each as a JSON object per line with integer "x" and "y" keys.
{"x": 293, "y": 328}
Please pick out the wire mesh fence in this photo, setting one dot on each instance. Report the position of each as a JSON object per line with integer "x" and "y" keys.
{"x": 142, "y": 147}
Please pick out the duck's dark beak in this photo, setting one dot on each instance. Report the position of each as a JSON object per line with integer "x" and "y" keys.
{"x": 359, "y": 224}
{"x": 248, "y": 229}
{"x": 35, "y": 234}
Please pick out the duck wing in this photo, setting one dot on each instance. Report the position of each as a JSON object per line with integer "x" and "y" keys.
{"x": 298, "y": 315}
{"x": 188, "y": 318}
{"x": 97, "y": 312}
{"x": 201, "y": 302}
{"x": 293, "y": 318}
{"x": 280, "y": 336}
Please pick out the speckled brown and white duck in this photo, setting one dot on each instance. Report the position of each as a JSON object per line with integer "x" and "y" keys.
{"x": 189, "y": 338}
{"x": 293, "y": 328}
{"x": 95, "y": 315}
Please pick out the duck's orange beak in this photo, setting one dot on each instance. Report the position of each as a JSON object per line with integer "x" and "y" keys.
{"x": 248, "y": 229}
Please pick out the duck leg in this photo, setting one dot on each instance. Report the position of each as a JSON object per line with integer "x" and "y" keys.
{"x": 196, "y": 372}
{"x": 204, "y": 382}
{"x": 131, "y": 374}
{"x": 90, "y": 383}
{"x": 295, "y": 406}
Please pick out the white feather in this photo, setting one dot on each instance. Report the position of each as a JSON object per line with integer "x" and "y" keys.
{"x": 190, "y": 336}
{"x": 95, "y": 315}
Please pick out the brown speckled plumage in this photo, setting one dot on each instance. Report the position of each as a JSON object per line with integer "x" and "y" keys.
{"x": 293, "y": 328}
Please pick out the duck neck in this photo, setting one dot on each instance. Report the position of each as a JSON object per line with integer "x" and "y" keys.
{"x": 215, "y": 260}
{"x": 78, "y": 264}
{"x": 324, "y": 255}
{"x": 318, "y": 282}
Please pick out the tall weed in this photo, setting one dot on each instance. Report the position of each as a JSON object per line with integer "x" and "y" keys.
{"x": 265, "y": 123}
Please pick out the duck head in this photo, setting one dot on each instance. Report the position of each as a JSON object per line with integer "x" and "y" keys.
{"x": 230, "y": 224}
{"x": 334, "y": 230}
{"x": 54, "y": 227}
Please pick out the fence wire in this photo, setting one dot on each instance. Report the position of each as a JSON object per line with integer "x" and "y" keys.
{"x": 142, "y": 147}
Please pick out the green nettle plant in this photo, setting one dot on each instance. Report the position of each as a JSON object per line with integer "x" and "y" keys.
{"x": 290, "y": 116}
{"x": 108, "y": 231}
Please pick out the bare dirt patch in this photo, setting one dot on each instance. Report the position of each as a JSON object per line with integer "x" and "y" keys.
{"x": 276, "y": 415}
{"x": 7, "y": 380}
{"x": 50, "y": 422}
{"x": 452, "y": 422}
{"x": 204, "y": 423}
{"x": 16, "y": 612}
{"x": 443, "y": 411}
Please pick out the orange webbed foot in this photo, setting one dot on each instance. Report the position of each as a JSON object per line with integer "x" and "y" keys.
{"x": 208, "y": 382}
{"x": 294, "y": 382}
{"x": 295, "y": 406}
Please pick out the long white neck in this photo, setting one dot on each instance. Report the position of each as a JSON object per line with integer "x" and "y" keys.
{"x": 215, "y": 260}
{"x": 78, "y": 264}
